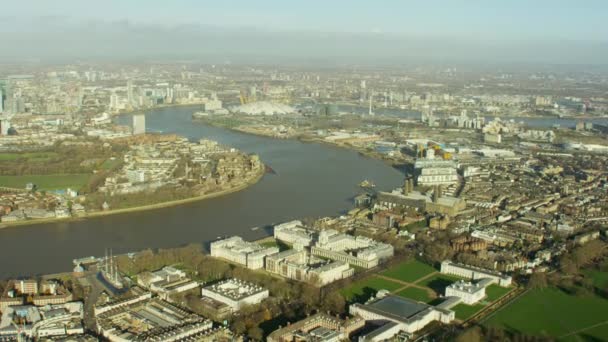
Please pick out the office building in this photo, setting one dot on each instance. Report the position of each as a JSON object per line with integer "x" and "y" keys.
{"x": 139, "y": 124}
{"x": 5, "y": 126}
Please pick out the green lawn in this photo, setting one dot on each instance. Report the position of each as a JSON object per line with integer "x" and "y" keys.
{"x": 364, "y": 289}
{"x": 109, "y": 163}
{"x": 36, "y": 156}
{"x": 553, "y": 312}
{"x": 464, "y": 311}
{"x": 599, "y": 333}
{"x": 600, "y": 279}
{"x": 275, "y": 243}
{"x": 409, "y": 271}
{"x": 46, "y": 182}
{"x": 415, "y": 294}
{"x": 493, "y": 292}
{"x": 439, "y": 282}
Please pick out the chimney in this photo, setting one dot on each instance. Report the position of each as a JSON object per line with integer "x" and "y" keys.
{"x": 435, "y": 194}
{"x": 439, "y": 191}
{"x": 406, "y": 187}
{"x": 411, "y": 183}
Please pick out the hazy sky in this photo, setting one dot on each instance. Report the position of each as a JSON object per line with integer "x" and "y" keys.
{"x": 533, "y": 30}
{"x": 512, "y": 19}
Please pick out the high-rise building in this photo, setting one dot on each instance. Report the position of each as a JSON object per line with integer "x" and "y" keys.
{"x": 130, "y": 92}
{"x": 5, "y": 125}
{"x": 139, "y": 124}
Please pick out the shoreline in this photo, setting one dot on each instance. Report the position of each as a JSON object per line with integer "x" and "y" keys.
{"x": 310, "y": 140}
{"x": 258, "y": 176}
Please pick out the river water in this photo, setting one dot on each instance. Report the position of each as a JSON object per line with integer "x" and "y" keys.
{"x": 311, "y": 180}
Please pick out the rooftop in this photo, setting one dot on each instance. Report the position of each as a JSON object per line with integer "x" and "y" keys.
{"x": 235, "y": 289}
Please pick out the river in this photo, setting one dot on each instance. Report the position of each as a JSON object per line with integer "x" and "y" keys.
{"x": 311, "y": 180}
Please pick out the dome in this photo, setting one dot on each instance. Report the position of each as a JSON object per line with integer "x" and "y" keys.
{"x": 263, "y": 108}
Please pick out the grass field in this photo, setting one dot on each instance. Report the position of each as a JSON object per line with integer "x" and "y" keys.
{"x": 415, "y": 294}
{"x": 600, "y": 279}
{"x": 35, "y": 156}
{"x": 409, "y": 271}
{"x": 464, "y": 311}
{"x": 599, "y": 333}
{"x": 493, "y": 292}
{"x": 554, "y": 312}
{"x": 438, "y": 282}
{"x": 362, "y": 290}
{"x": 46, "y": 182}
{"x": 109, "y": 163}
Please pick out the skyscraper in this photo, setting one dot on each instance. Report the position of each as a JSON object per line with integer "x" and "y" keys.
{"x": 139, "y": 124}
{"x": 1, "y": 101}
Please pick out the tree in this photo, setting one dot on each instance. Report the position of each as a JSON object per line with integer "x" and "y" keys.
{"x": 473, "y": 334}
{"x": 255, "y": 333}
{"x": 568, "y": 266}
{"x": 538, "y": 280}
{"x": 334, "y": 302}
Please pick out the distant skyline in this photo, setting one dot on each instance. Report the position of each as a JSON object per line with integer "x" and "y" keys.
{"x": 534, "y": 31}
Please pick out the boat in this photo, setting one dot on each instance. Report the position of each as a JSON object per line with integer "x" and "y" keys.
{"x": 199, "y": 115}
{"x": 255, "y": 228}
{"x": 367, "y": 184}
{"x": 270, "y": 170}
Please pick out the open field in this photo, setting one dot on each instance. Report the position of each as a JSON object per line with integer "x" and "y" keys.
{"x": 409, "y": 271}
{"x": 555, "y": 313}
{"x": 34, "y": 156}
{"x": 493, "y": 292}
{"x": 364, "y": 289}
{"x": 599, "y": 333}
{"x": 46, "y": 182}
{"x": 415, "y": 294}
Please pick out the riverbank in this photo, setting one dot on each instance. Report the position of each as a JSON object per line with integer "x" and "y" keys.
{"x": 242, "y": 186}
{"x": 306, "y": 139}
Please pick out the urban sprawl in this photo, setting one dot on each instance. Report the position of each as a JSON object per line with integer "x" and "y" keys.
{"x": 498, "y": 201}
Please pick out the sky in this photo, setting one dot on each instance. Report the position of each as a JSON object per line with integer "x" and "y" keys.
{"x": 521, "y": 30}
